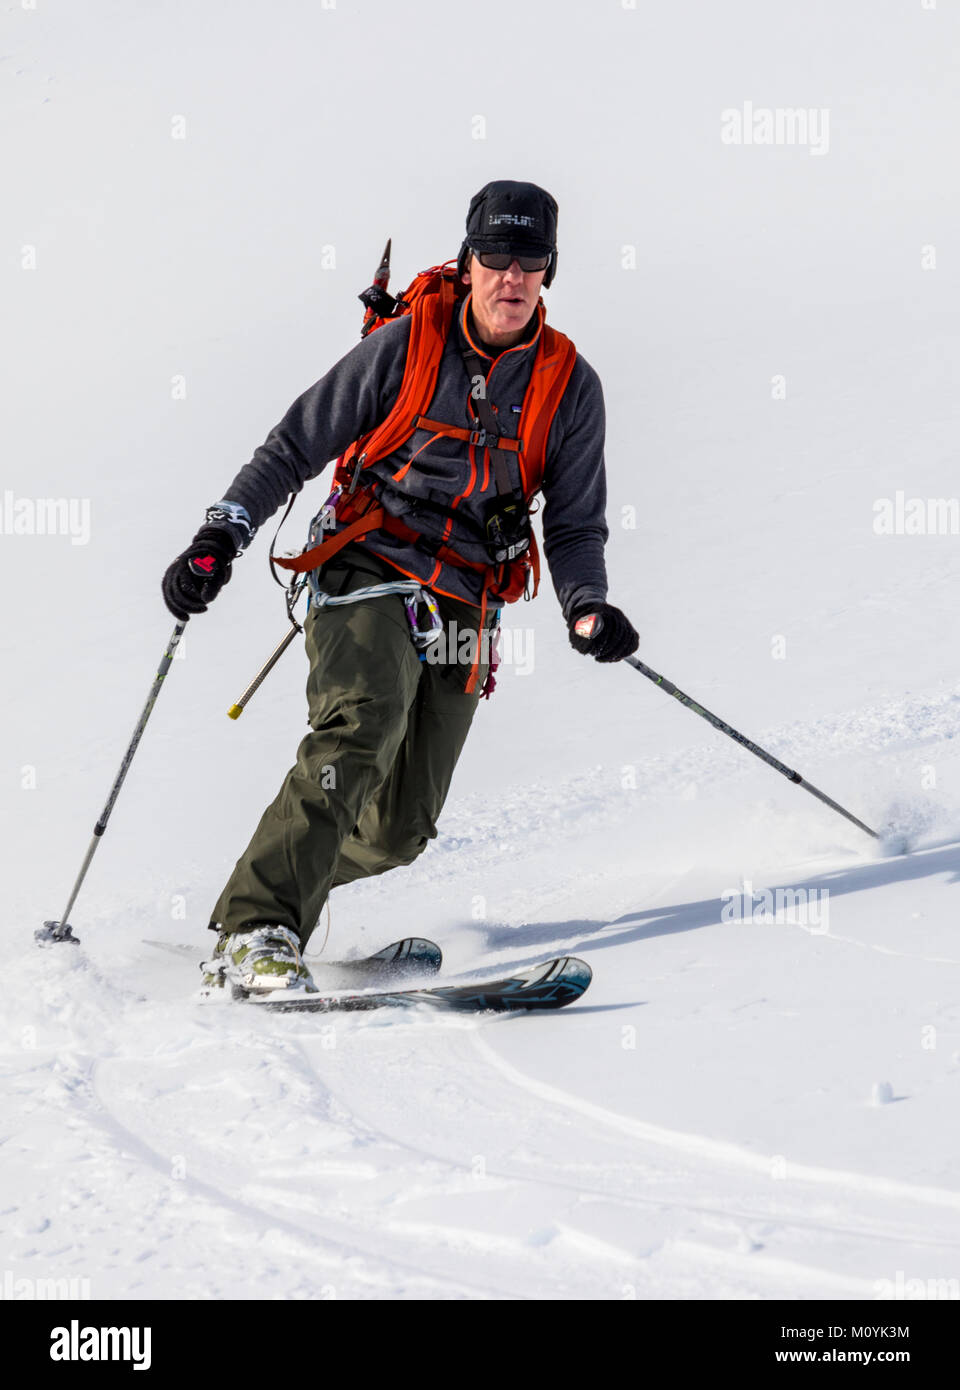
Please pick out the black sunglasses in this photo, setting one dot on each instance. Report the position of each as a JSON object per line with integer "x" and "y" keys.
{"x": 503, "y": 260}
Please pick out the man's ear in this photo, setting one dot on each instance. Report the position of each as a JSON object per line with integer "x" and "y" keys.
{"x": 465, "y": 277}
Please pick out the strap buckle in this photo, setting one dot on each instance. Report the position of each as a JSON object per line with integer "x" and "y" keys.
{"x": 478, "y": 437}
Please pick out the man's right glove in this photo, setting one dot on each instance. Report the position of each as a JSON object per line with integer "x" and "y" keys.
{"x": 197, "y": 576}
{"x": 602, "y": 631}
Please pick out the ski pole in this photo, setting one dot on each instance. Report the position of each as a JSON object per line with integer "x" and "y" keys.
{"x": 745, "y": 742}
{"x": 61, "y": 930}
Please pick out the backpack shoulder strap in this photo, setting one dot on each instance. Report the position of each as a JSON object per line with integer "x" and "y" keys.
{"x": 552, "y": 369}
{"x": 432, "y": 306}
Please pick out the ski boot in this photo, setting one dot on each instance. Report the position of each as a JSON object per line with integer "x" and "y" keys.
{"x": 256, "y": 961}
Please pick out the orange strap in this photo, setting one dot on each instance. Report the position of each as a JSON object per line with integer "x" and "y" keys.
{"x": 469, "y": 436}
{"x": 371, "y": 520}
{"x": 546, "y": 387}
{"x": 471, "y": 684}
{"x": 432, "y": 315}
{"x": 395, "y": 527}
{"x": 321, "y": 553}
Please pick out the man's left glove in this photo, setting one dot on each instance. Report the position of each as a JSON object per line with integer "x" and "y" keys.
{"x": 602, "y": 631}
{"x": 197, "y": 576}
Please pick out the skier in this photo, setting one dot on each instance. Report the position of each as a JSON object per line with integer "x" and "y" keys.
{"x": 447, "y": 506}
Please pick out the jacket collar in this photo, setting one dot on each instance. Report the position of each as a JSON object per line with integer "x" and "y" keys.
{"x": 465, "y": 319}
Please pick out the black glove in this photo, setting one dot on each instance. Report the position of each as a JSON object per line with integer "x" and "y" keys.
{"x": 602, "y": 631}
{"x": 197, "y": 576}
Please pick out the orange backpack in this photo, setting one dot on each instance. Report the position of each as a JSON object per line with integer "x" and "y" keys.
{"x": 431, "y": 300}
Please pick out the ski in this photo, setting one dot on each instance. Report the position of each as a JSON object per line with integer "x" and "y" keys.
{"x": 411, "y": 956}
{"x": 549, "y": 985}
{"x": 404, "y": 959}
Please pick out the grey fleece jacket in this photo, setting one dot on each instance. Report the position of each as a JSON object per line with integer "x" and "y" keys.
{"x": 360, "y": 390}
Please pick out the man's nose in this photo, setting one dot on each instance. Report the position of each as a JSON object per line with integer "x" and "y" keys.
{"x": 513, "y": 271}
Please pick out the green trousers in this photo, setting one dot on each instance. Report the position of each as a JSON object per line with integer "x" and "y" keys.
{"x": 386, "y": 730}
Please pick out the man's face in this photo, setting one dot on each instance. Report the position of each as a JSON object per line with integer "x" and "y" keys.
{"x": 503, "y": 300}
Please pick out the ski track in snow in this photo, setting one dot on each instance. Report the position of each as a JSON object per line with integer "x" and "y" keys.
{"x": 286, "y": 1158}
{"x": 313, "y": 1163}
{"x": 727, "y": 1228}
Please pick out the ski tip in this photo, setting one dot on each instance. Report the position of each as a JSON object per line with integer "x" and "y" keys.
{"x": 573, "y": 974}
{"x": 578, "y": 969}
{"x": 411, "y": 953}
{"x": 418, "y": 946}
{"x": 549, "y": 984}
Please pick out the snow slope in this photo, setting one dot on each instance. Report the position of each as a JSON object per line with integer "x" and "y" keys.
{"x": 736, "y": 1109}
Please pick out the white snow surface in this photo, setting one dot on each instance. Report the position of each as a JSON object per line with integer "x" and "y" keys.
{"x": 736, "y": 1110}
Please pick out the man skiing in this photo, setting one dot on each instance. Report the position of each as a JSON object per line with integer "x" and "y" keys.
{"x": 446, "y": 420}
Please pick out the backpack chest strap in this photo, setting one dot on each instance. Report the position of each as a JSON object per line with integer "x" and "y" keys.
{"x": 481, "y": 437}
